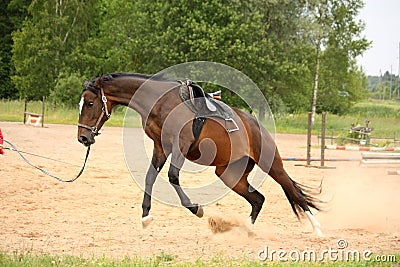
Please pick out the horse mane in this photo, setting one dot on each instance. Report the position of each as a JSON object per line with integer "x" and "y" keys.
{"x": 88, "y": 85}
{"x": 116, "y": 75}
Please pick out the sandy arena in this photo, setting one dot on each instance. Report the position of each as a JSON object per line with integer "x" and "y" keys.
{"x": 99, "y": 214}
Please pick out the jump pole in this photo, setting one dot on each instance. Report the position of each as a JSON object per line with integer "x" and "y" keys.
{"x": 380, "y": 158}
{"x": 356, "y": 148}
{"x": 319, "y": 159}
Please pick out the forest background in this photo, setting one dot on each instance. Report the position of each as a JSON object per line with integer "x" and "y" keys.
{"x": 48, "y": 48}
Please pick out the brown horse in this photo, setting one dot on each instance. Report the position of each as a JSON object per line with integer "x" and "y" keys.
{"x": 169, "y": 124}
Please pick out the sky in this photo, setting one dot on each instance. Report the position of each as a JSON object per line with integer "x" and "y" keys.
{"x": 382, "y": 19}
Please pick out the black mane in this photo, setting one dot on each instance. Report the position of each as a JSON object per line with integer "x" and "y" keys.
{"x": 88, "y": 85}
{"x": 113, "y": 75}
{"x": 155, "y": 77}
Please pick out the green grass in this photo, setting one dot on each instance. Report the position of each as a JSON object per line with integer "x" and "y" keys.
{"x": 384, "y": 119}
{"x": 14, "y": 111}
{"x": 383, "y": 126}
{"x": 163, "y": 259}
{"x": 376, "y": 108}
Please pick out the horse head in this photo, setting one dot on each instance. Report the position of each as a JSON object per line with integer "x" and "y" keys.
{"x": 93, "y": 110}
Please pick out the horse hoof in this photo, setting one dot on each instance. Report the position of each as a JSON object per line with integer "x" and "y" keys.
{"x": 200, "y": 211}
{"x": 146, "y": 221}
{"x": 249, "y": 223}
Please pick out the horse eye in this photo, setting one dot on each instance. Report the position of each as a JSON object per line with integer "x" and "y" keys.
{"x": 90, "y": 104}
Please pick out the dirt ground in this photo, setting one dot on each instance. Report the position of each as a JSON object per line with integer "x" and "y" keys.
{"x": 100, "y": 213}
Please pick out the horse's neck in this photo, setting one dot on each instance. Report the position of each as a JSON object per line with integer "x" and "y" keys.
{"x": 148, "y": 95}
{"x": 121, "y": 91}
{"x": 139, "y": 94}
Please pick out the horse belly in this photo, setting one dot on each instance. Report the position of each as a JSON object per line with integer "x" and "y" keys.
{"x": 217, "y": 147}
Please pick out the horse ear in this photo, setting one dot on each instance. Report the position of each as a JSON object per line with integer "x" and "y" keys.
{"x": 85, "y": 83}
{"x": 99, "y": 81}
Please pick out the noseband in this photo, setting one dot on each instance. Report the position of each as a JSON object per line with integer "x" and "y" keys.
{"x": 95, "y": 129}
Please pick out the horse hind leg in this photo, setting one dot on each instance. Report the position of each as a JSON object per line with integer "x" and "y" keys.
{"x": 298, "y": 199}
{"x": 235, "y": 177}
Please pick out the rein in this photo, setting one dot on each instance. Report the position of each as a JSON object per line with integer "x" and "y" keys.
{"x": 46, "y": 172}
{"x": 95, "y": 129}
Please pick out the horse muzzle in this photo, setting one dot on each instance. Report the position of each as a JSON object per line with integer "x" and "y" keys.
{"x": 86, "y": 140}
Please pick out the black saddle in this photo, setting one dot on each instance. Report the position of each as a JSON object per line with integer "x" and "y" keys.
{"x": 206, "y": 105}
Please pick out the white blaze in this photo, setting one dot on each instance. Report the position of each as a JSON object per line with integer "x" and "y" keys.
{"x": 80, "y": 105}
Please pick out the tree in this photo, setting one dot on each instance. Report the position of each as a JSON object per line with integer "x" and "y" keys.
{"x": 287, "y": 57}
{"x": 67, "y": 90}
{"x": 272, "y": 42}
{"x": 163, "y": 33}
{"x": 53, "y": 32}
{"x": 12, "y": 14}
{"x": 320, "y": 16}
{"x": 338, "y": 31}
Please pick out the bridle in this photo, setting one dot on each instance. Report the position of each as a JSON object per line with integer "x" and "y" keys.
{"x": 95, "y": 129}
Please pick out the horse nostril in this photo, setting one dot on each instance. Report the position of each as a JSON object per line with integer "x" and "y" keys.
{"x": 83, "y": 139}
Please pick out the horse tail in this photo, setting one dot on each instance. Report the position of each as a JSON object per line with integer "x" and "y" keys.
{"x": 267, "y": 157}
{"x": 301, "y": 198}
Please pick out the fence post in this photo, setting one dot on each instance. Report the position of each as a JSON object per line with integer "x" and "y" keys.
{"x": 323, "y": 139}
{"x": 43, "y": 99}
{"x": 25, "y": 104}
{"x": 309, "y": 138}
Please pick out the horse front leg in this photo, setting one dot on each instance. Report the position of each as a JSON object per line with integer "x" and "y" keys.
{"x": 177, "y": 160}
{"x": 157, "y": 163}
